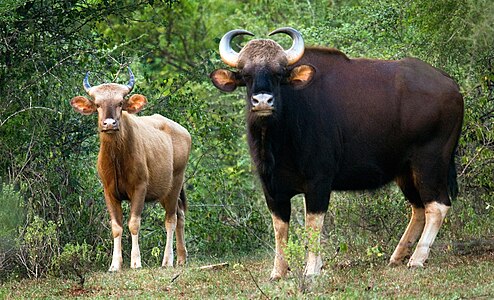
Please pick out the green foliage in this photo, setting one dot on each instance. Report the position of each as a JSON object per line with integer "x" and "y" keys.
{"x": 375, "y": 250}
{"x": 38, "y": 246}
{"x": 76, "y": 261}
{"x": 356, "y": 222}
{"x": 11, "y": 214}
{"x": 301, "y": 241}
{"x": 295, "y": 251}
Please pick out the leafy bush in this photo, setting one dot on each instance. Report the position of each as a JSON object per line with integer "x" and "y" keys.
{"x": 300, "y": 242}
{"x": 76, "y": 261}
{"x": 362, "y": 219}
{"x": 12, "y": 215}
{"x": 38, "y": 246}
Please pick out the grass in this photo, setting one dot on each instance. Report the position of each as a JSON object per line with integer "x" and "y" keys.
{"x": 446, "y": 276}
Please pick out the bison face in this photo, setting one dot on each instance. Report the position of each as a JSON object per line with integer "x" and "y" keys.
{"x": 109, "y": 100}
{"x": 263, "y": 66}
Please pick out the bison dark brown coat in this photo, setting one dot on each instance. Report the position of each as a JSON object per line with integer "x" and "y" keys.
{"x": 318, "y": 121}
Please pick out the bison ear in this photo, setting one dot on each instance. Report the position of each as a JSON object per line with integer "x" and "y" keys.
{"x": 135, "y": 103}
{"x": 301, "y": 76}
{"x": 83, "y": 105}
{"x": 224, "y": 80}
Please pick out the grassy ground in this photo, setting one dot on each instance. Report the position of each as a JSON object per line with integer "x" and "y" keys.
{"x": 446, "y": 276}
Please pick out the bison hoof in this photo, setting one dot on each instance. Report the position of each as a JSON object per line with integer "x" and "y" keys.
{"x": 415, "y": 264}
{"x": 309, "y": 275}
{"x": 394, "y": 263}
{"x": 275, "y": 277}
{"x": 167, "y": 261}
{"x": 113, "y": 269}
{"x": 168, "y": 264}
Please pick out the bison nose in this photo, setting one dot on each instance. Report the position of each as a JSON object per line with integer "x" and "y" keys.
{"x": 110, "y": 124}
{"x": 263, "y": 100}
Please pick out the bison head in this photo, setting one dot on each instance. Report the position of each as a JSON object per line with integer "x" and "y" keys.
{"x": 109, "y": 100}
{"x": 263, "y": 66}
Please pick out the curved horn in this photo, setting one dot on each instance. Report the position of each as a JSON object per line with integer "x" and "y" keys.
{"x": 228, "y": 55}
{"x": 85, "y": 83}
{"x": 130, "y": 85}
{"x": 297, "y": 50}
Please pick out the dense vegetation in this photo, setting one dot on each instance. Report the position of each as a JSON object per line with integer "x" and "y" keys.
{"x": 53, "y": 210}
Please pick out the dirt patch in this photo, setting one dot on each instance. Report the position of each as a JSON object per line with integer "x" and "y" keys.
{"x": 77, "y": 291}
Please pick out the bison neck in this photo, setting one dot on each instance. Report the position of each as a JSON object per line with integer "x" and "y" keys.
{"x": 116, "y": 152}
{"x": 265, "y": 139}
{"x": 295, "y": 147}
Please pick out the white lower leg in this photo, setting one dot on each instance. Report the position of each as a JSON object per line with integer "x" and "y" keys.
{"x": 314, "y": 223}
{"x": 410, "y": 236}
{"x": 170, "y": 224}
{"x": 116, "y": 263}
{"x": 281, "y": 237}
{"x": 135, "y": 255}
{"x": 434, "y": 216}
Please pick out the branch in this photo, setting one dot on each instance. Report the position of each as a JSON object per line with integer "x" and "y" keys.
{"x": 257, "y": 285}
{"x": 23, "y": 110}
{"x": 477, "y": 153}
{"x": 215, "y": 266}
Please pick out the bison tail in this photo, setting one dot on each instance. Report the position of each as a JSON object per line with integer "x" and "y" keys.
{"x": 452, "y": 182}
{"x": 182, "y": 201}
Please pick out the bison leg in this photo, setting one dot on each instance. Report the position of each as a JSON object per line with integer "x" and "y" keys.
{"x": 434, "y": 215}
{"x": 281, "y": 238}
{"x": 316, "y": 205}
{"x": 280, "y": 207}
{"x": 171, "y": 225}
{"x": 314, "y": 223}
{"x": 181, "y": 249}
{"x": 116, "y": 263}
{"x": 136, "y": 207}
{"x": 410, "y": 236}
{"x": 135, "y": 254}
{"x": 174, "y": 220}
{"x": 116, "y": 216}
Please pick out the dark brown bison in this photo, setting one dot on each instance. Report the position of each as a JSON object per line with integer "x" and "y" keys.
{"x": 318, "y": 121}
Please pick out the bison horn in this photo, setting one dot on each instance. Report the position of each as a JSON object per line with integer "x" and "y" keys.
{"x": 228, "y": 55}
{"x": 130, "y": 85}
{"x": 85, "y": 83}
{"x": 297, "y": 50}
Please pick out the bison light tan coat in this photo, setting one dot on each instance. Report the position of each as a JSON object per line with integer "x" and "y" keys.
{"x": 140, "y": 159}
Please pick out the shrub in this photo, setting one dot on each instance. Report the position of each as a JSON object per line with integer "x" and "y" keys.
{"x": 300, "y": 241}
{"x": 38, "y": 246}
{"x": 75, "y": 261}
{"x": 11, "y": 219}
